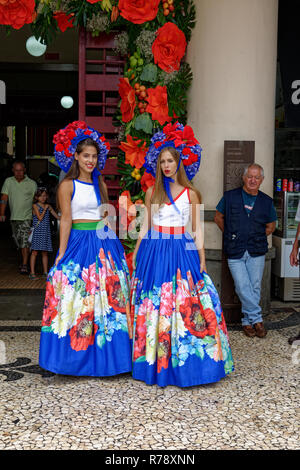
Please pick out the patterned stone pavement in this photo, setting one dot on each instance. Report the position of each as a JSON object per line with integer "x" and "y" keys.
{"x": 254, "y": 408}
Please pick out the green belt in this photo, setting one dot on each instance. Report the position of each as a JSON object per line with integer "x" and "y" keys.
{"x": 88, "y": 225}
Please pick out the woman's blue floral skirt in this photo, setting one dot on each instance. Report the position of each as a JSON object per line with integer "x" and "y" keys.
{"x": 180, "y": 335}
{"x": 86, "y": 312}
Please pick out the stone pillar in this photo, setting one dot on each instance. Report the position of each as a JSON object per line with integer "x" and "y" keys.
{"x": 233, "y": 53}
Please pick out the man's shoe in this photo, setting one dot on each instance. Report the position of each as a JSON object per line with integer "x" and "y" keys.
{"x": 249, "y": 331}
{"x": 260, "y": 330}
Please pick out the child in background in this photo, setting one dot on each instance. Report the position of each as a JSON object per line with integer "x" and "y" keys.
{"x": 41, "y": 238}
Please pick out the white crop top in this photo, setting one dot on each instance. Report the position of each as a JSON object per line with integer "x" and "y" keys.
{"x": 167, "y": 215}
{"x": 84, "y": 203}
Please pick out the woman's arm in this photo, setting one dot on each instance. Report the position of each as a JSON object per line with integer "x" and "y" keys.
{"x": 36, "y": 212}
{"x": 196, "y": 229}
{"x": 54, "y": 213}
{"x": 146, "y": 224}
{"x": 65, "y": 191}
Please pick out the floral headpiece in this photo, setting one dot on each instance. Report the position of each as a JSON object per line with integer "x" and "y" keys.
{"x": 66, "y": 141}
{"x": 183, "y": 140}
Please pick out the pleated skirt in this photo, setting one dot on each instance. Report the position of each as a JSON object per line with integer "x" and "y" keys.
{"x": 85, "y": 326}
{"x": 180, "y": 335}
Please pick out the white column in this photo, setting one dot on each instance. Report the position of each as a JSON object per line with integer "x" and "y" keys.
{"x": 233, "y": 53}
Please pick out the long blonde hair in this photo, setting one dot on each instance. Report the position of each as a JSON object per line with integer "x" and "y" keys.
{"x": 159, "y": 195}
{"x": 74, "y": 171}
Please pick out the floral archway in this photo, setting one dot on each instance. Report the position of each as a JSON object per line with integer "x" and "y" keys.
{"x": 153, "y": 36}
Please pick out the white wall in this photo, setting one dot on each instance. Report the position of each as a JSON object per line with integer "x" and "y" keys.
{"x": 233, "y": 55}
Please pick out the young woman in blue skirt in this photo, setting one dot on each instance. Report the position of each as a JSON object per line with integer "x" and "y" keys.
{"x": 85, "y": 326}
{"x": 180, "y": 336}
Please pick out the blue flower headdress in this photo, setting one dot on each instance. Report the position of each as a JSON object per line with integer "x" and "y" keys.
{"x": 183, "y": 140}
{"x": 66, "y": 141}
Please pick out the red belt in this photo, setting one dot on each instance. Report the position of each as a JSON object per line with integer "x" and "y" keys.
{"x": 169, "y": 230}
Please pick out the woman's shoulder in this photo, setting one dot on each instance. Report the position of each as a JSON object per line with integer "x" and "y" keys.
{"x": 66, "y": 185}
{"x": 192, "y": 194}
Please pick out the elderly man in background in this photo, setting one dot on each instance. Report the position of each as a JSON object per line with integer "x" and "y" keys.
{"x": 19, "y": 190}
{"x": 247, "y": 216}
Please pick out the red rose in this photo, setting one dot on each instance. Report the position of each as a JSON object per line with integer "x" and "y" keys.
{"x": 128, "y": 99}
{"x": 169, "y": 47}
{"x": 16, "y": 13}
{"x": 158, "y": 104}
{"x": 185, "y": 137}
{"x": 63, "y": 21}
{"x": 147, "y": 181}
{"x": 94, "y": 1}
{"x": 138, "y": 11}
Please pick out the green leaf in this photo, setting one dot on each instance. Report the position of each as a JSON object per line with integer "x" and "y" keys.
{"x": 46, "y": 329}
{"x": 143, "y": 122}
{"x": 101, "y": 340}
{"x": 149, "y": 73}
{"x": 200, "y": 353}
{"x": 140, "y": 359}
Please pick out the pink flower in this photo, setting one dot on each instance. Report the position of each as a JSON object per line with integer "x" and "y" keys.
{"x": 90, "y": 277}
{"x": 166, "y": 299}
{"x": 60, "y": 282}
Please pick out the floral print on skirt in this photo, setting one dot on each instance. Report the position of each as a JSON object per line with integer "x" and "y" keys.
{"x": 180, "y": 335}
{"x": 86, "y": 310}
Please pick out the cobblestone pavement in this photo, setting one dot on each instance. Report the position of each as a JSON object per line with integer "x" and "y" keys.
{"x": 254, "y": 408}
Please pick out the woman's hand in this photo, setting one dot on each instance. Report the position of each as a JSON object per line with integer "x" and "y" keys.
{"x": 59, "y": 258}
{"x": 134, "y": 260}
{"x": 203, "y": 266}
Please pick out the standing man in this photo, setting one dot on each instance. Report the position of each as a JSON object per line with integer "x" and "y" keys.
{"x": 294, "y": 258}
{"x": 247, "y": 216}
{"x": 19, "y": 190}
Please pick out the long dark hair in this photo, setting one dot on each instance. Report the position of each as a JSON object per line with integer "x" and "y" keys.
{"x": 73, "y": 172}
{"x": 38, "y": 193}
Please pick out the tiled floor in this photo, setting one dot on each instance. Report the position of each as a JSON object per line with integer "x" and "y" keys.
{"x": 254, "y": 408}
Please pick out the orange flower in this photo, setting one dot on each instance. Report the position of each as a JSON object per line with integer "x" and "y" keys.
{"x": 147, "y": 181}
{"x": 139, "y": 11}
{"x": 114, "y": 14}
{"x": 169, "y": 47}
{"x": 128, "y": 104}
{"x": 16, "y": 13}
{"x": 158, "y": 104}
{"x": 64, "y": 21}
{"x": 134, "y": 155}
